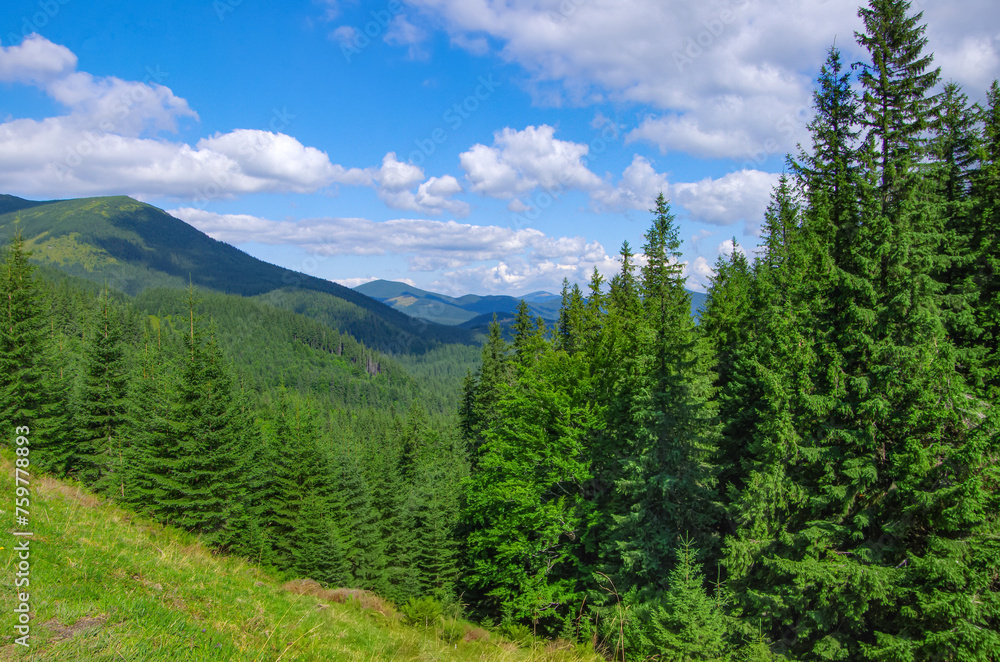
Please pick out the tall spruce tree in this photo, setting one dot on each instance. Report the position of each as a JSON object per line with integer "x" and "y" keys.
{"x": 524, "y": 515}
{"x": 897, "y": 107}
{"x": 101, "y": 403}
{"x": 22, "y": 344}
{"x": 984, "y": 245}
{"x": 726, "y": 326}
{"x": 666, "y": 485}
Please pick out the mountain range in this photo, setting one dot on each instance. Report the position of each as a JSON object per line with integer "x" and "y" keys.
{"x": 132, "y": 246}
{"x": 473, "y": 311}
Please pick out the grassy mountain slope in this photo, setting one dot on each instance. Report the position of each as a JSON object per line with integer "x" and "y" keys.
{"x": 133, "y": 246}
{"x": 106, "y": 584}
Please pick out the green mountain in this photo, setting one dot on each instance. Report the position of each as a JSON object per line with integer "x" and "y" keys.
{"x": 132, "y": 247}
{"x": 444, "y": 309}
{"x": 472, "y": 311}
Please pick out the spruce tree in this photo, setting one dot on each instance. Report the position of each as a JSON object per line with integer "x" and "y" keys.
{"x": 897, "y": 107}
{"x": 984, "y": 246}
{"x": 357, "y": 521}
{"x": 151, "y": 443}
{"x": 667, "y": 480}
{"x": 725, "y": 324}
{"x": 22, "y": 343}
{"x": 525, "y": 516}
{"x": 102, "y": 402}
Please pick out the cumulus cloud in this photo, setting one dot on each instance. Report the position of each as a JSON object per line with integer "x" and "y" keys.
{"x": 736, "y": 197}
{"x": 637, "y": 189}
{"x": 472, "y": 252}
{"x": 699, "y": 274}
{"x": 35, "y": 61}
{"x": 395, "y": 181}
{"x": 110, "y": 141}
{"x": 521, "y": 161}
{"x": 725, "y": 78}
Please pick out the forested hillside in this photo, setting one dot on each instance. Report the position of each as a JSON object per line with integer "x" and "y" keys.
{"x": 131, "y": 247}
{"x": 811, "y": 472}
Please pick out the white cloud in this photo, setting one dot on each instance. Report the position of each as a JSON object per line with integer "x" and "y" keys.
{"x": 699, "y": 274}
{"x": 724, "y": 78}
{"x": 735, "y": 197}
{"x": 637, "y": 189}
{"x": 394, "y": 175}
{"x": 282, "y": 160}
{"x": 974, "y": 61}
{"x": 109, "y": 141}
{"x": 35, "y": 61}
{"x": 395, "y": 181}
{"x": 473, "y": 252}
{"x": 345, "y": 34}
{"x": 965, "y": 39}
{"x": 521, "y": 161}
{"x": 401, "y": 32}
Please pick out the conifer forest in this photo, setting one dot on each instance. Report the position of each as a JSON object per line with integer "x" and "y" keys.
{"x": 809, "y": 469}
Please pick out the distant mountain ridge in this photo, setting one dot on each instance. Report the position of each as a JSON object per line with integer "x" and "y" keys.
{"x": 445, "y": 309}
{"x": 133, "y": 246}
{"x": 473, "y": 311}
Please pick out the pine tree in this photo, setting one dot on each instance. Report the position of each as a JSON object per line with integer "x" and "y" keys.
{"x": 102, "y": 402}
{"x": 529, "y": 335}
{"x": 196, "y": 474}
{"x": 666, "y": 487}
{"x": 357, "y": 521}
{"x": 828, "y": 174}
{"x": 151, "y": 448}
{"x": 483, "y": 391}
{"x": 22, "y": 343}
{"x": 688, "y": 624}
{"x": 726, "y": 325}
{"x": 571, "y": 331}
{"x": 524, "y": 514}
{"x": 984, "y": 246}
{"x": 896, "y": 105}
{"x": 947, "y": 183}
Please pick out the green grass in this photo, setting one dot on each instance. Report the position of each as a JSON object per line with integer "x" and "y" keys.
{"x": 109, "y": 585}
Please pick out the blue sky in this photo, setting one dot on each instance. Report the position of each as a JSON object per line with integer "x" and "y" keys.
{"x": 487, "y": 146}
